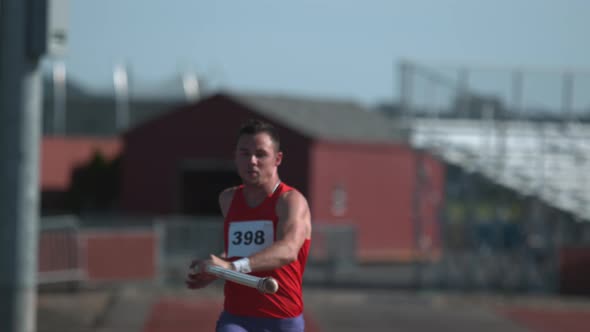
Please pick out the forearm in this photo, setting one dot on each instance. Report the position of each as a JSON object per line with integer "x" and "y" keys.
{"x": 278, "y": 254}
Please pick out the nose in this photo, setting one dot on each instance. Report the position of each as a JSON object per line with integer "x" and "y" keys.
{"x": 252, "y": 160}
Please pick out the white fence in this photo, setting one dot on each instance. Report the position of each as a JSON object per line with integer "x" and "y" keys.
{"x": 60, "y": 258}
{"x": 332, "y": 259}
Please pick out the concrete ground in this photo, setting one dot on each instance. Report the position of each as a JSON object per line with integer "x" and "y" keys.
{"x": 71, "y": 312}
{"x": 153, "y": 309}
{"x": 374, "y": 310}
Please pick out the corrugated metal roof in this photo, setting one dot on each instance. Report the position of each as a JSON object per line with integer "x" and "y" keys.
{"x": 337, "y": 120}
{"x": 93, "y": 113}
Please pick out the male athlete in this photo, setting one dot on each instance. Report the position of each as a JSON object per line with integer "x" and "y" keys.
{"x": 267, "y": 231}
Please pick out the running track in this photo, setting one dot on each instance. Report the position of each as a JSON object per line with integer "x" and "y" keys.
{"x": 547, "y": 320}
{"x": 377, "y": 311}
{"x": 171, "y": 314}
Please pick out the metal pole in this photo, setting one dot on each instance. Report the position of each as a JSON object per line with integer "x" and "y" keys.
{"x": 463, "y": 93}
{"x": 437, "y": 121}
{"x": 20, "y": 130}
{"x": 567, "y": 96}
{"x": 190, "y": 84}
{"x": 517, "y": 85}
{"x": 405, "y": 97}
{"x": 417, "y": 203}
{"x": 121, "y": 84}
{"x": 59, "y": 98}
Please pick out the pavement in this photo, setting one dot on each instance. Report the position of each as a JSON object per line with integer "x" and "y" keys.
{"x": 149, "y": 308}
{"x": 376, "y": 310}
{"x": 71, "y": 311}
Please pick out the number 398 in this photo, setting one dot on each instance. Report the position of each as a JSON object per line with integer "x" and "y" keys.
{"x": 247, "y": 238}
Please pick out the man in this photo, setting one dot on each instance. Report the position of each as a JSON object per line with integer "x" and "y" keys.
{"x": 267, "y": 232}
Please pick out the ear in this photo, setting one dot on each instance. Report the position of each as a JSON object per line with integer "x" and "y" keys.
{"x": 279, "y": 158}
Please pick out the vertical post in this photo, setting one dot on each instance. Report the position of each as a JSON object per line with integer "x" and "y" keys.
{"x": 463, "y": 90}
{"x": 489, "y": 139}
{"x": 405, "y": 94}
{"x": 121, "y": 84}
{"x": 541, "y": 155}
{"x": 431, "y": 106}
{"x": 20, "y": 131}
{"x": 160, "y": 232}
{"x": 417, "y": 196}
{"x": 59, "y": 98}
{"x": 190, "y": 84}
{"x": 517, "y": 85}
{"x": 567, "y": 96}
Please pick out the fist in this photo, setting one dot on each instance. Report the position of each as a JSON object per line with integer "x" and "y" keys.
{"x": 196, "y": 277}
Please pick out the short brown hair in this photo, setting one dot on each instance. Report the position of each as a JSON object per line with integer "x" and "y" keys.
{"x": 256, "y": 126}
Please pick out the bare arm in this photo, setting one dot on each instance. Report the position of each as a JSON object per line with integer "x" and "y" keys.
{"x": 201, "y": 280}
{"x": 293, "y": 228}
{"x": 225, "y": 198}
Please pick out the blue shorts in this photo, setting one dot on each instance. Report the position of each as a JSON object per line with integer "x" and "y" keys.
{"x": 231, "y": 323}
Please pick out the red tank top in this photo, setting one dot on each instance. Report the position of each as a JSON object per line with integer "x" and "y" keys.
{"x": 248, "y": 230}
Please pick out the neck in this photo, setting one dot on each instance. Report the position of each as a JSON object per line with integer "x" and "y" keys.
{"x": 262, "y": 190}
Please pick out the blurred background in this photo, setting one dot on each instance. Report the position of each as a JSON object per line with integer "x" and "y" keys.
{"x": 443, "y": 147}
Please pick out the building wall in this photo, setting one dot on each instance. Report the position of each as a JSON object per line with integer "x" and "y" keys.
{"x": 379, "y": 181}
{"x": 61, "y": 155}
{"x": 61, "y": 158}
{"x": 117, "y": 256}
{"x": 574, "y": 270}
{"x": 430, "y": 201}
{"x": 204, "y": 131}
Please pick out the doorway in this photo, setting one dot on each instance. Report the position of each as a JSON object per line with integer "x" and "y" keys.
{"x": 200, "y": 189}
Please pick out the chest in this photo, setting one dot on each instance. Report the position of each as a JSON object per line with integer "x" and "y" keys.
{"x": 249, "y": 230}
{"x": 247, "y": 237}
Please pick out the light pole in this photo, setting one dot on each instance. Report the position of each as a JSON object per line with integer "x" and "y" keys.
{"x": 26, "y": 33}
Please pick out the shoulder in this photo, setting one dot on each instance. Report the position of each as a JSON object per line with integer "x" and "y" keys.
{"x": 228, "y": 193}
{"x": 292, "y": 209}
{"x": 225, "y": 198}
{"x": 292, "y": 195}
{"x": 291, "y": 199}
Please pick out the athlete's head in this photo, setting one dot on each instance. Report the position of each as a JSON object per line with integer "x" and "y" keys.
{"x": 258, "y": 152}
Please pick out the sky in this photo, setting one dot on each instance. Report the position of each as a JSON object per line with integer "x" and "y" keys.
{"x": 326, "y": 48}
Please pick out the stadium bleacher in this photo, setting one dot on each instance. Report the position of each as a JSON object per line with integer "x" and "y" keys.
{"x": 549, "y": 160}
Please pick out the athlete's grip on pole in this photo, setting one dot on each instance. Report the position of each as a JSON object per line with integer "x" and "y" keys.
{"x": 264, "y": 284}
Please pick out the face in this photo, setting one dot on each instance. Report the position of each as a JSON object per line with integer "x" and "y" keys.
{"x": 257, "y": 159}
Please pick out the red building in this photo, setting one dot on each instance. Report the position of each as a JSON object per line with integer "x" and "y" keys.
{"x": 61, "y": 159}
{"x": 353, "y": 166}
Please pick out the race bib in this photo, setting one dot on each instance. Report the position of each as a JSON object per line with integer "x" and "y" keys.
{"x": 249, "y": 237}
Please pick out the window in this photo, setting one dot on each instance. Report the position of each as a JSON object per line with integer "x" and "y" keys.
{"x": 339, "y": 200}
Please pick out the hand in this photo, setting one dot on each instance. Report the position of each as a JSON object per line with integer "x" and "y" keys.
{"x": 217, "y": 261}
{"x": 201, "y": 279}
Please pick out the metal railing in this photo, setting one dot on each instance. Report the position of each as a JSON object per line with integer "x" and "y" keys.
{"x": 528, "y": 264}
{"x": 332, "y": 250}
{"x": 60, "y": 258}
